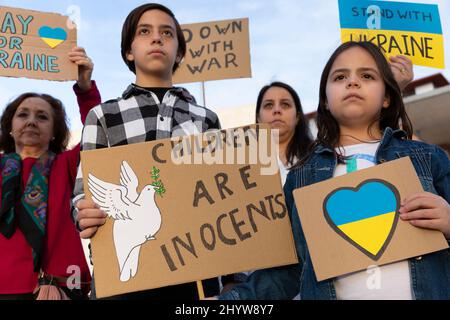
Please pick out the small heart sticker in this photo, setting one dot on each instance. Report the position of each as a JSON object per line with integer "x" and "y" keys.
{"x": 52, "y": 37}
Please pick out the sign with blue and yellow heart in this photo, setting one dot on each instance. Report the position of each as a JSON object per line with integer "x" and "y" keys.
{"x": 365, "y": 216}
{"x": 36, "y": 44}
{"x": 351, "y": 222}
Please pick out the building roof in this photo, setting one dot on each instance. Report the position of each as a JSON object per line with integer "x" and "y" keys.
{"x": 430, "y": 114}
{"x": 437, "y": 80}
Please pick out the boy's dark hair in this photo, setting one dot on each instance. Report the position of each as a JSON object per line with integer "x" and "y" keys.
{"x": 394, "y": 116}
{"x": 129, "y": 31}
{"x": 60, "y": 127}
{"x": 301, "y": 140}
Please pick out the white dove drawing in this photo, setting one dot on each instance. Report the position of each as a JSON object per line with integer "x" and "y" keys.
{"x": 137, "y": 216}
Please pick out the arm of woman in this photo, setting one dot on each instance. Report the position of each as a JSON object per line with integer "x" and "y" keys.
{"x": 86, "y": 89}
{"x": 88, "y": 96}
{"x": 87, "y": 99}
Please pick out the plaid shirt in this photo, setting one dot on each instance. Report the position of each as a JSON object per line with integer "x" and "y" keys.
{"x": 139, "y": 117}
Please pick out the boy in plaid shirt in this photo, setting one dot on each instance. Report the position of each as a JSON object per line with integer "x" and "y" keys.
{"x": 153, "y": 46}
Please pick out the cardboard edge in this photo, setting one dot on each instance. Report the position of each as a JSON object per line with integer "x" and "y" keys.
{"x": 100, "y": 294}
{"x": 34, "y": 11}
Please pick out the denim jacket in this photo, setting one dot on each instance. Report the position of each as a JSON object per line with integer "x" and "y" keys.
{"x": 430, "y": 274}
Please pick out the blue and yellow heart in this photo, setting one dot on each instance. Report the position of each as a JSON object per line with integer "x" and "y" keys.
{"x": 52, "y": 37}
{"x": 365, "y": 216}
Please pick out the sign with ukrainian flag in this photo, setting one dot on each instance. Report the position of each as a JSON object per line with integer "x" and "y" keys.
{"x": 351, "y": 222}
{"x": 36, "y": 44}
{"x": 409, "y": 29}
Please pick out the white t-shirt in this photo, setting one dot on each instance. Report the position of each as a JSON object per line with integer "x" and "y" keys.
{"x": 388, "y": 282}
{"x": 283, "y": 171}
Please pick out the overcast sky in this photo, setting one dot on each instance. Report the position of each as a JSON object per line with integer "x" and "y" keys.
{"x": 291, "y": 41}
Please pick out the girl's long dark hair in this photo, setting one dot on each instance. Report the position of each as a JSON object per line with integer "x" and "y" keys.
{"x": 301, "y": 140}
{"x": 394, "y": 116}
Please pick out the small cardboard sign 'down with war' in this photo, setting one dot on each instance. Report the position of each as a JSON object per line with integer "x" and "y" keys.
{"x": 215, "y": 50}
{"x": 410, "y": 29}
{"x": 187, "y": 209}
{"x": 352, "y": 222}
{"x": 35, "y": 45}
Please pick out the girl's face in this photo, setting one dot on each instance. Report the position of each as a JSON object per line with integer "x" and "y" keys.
{"x": 355, "y": 89}
{"x": 278, "y": 109}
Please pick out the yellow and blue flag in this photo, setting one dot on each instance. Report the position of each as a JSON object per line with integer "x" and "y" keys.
{"x": 409, "y": 29}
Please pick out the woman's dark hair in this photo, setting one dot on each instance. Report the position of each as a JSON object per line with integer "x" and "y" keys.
{"x": 130, "y": 27}
{"x": 394, "y": 116}
{"x": 60, "y": 128}
{"x": 301, "y": 140}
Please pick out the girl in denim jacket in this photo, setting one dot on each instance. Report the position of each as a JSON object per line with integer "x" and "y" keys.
{"x": 362, "y": 122}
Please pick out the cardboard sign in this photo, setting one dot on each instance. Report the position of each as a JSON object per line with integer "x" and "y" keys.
{"x": 179, "y": 213}
{"x": 352, "y": 222}
{"x": 215, "y": 50}
{"x": 36, "y": 44}
{"x": 409, "y": 29}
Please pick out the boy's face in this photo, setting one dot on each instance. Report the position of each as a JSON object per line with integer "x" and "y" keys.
{"x": 154, "y": 49}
